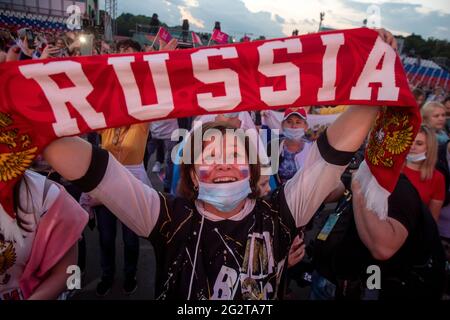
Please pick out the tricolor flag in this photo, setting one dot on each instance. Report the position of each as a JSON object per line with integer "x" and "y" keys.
{"x": 196, "y": 39}
{"x": 219, "y": 37}
{"x": 426, "y": 72}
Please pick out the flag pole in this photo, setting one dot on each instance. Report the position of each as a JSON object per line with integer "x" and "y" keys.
{"x": 209, "y": 41}
{"x": 154, "y": 39}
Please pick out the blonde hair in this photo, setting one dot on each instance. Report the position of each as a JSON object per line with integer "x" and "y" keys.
{"x": 428, "y": 166}
{"x": 428, "y": 109}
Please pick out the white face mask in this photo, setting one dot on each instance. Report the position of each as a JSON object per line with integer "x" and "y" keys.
{"x": 294, "y": 134}
{"x": 416, "y": 157}
{"x": 224, "y": 196}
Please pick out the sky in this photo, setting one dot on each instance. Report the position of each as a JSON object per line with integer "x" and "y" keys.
{"x": 277, "y": 18}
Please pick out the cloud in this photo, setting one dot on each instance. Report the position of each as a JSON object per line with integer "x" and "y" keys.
{"x": 277, "y": 18}
{"x": 423, "y": 6}
{"x": 191, "y": 3}
{"x": 166, "y": 9}
{"x": 426, "y": 18}
{"x": 236, "y": 19}
{"x": 407, "y": 18}
{"x": 186, "y": 14}
{"x": 174, "y": 2}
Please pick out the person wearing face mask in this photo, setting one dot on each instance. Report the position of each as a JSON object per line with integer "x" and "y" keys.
{"x": 216, "y": 239}
{"x": 420, "y": 170}
{"x": 433, "y": 114}
{"x": 241, "y": 120}
{"x": 294, "y": 147}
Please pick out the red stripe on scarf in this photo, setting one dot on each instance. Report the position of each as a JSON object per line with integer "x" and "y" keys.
{"x": 40, "y": 97}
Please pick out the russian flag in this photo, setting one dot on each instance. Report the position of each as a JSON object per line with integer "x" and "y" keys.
{"x": 426, "y": 72}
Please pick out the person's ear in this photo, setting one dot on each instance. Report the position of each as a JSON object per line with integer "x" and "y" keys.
{"x": 194, "y": 177}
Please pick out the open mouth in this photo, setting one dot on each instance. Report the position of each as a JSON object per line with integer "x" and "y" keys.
{"x": 224, "y": 180}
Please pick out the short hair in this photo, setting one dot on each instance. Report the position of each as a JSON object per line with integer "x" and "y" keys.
{"x": 428, "y": 109}
{"x": 128, "y": 43}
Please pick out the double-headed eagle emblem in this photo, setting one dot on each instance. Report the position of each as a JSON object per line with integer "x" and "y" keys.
{"x": 14, "y": 163}
{"x": 7, "y": 256}
{"x": 391, "y": 135}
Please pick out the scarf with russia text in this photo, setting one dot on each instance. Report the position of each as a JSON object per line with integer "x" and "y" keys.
{"x": 42, "y": 100}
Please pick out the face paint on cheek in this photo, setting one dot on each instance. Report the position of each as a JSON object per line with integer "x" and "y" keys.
{"x": 204, "y": 172}
{"x": 245, "y": 171}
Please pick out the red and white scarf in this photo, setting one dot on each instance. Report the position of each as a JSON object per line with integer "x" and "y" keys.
{"x": 42, "y": 100}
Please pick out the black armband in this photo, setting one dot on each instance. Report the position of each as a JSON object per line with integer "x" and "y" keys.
{"x": 330, "y": 154}
{"x": 95, "y": 172}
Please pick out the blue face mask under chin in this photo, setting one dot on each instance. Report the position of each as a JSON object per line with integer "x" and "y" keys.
{"x": 224, "y": 197}
{"x": 410, "y": 157}
{"x": 294, "y": 134}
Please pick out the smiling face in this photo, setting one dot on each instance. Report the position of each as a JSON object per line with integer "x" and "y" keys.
{"x": 221, "y": 162}
{"x": 207, "y": 168}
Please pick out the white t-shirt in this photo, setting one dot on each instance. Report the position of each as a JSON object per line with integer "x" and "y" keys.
{"x": 300, "y": 157}
{"x": 304, "y": 193}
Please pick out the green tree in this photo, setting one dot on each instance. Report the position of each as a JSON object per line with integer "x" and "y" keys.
{"x": 126, "y": 23}
{"x": 427, "y": 49}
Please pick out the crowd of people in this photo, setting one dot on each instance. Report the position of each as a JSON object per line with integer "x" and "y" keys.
{"x": 208, "y": 219}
